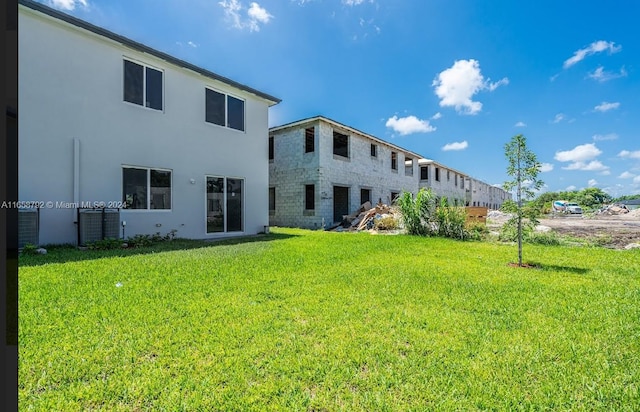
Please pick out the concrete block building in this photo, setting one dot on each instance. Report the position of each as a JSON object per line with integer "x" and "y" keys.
{"x": 321, "y": 170}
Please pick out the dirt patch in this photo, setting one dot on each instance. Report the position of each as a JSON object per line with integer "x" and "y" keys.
{"x": 614, "y": 232}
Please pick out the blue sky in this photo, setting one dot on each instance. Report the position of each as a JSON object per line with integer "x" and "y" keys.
{"x": 452, "y": 80}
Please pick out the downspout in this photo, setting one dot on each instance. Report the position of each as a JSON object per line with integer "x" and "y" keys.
{"x": 76, "y": 171}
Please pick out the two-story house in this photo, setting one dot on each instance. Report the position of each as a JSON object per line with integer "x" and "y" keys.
{"x": 107, "y": 121}
{"x": 321, "y": 170}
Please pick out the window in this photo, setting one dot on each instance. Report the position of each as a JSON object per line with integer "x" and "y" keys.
{"x": 424, "y": 173}
{"x": 456, "y": 180}
{"x": 394, "y": 161}
{"x": 394, "y": 196}
{"x": 272, "y": 199}
{"x": 408, "y": 166}
{"x": 374, "y": 150}
{"x": 437, "y": 174}
{"x": 340, "y": 144}
{"x": 448, "y": 175}
{"x": 462, "y": 182}
{"x": 365, "y": 196}
{"x": 309, "y": 197}
{"x": 142, "y": 85}
{"x": 144, "y": 188}
{"x": 309, "y": 139}
{"x": 224, "y": 110}
{"x": 271, "y": 151}
{"x": 224, "y": 204}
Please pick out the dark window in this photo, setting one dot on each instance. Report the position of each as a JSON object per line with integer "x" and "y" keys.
{"x": 133, "y": 83}
{"x": 160, "y": 190}
{"x": 236, "y": 113}
{"x": 224, "y": 110}
{"x": 272, "y": 198}
{"x": 146, "y": 188}
{"x": 365, "y": 196}
{"x": 309, "y": 197}
{"x": 374, "y": 150}
{"x": 154, "y": 88}
{"x": 394, "y": 161}
{"x": 448, "y": 175}
{"x": 234, "y": 205}
{"x": 215, "y": 107}
{"x": 394, "y": 196}
{"x": 340, "y": 144}
{"x": 142, "y": 85}
{"x": 455, "y": 180}
{"x": 437, "y": 174}
{"x": 424, "y": 173}
{"x": 271, "y": 151}
{"x": 309, "y": 139}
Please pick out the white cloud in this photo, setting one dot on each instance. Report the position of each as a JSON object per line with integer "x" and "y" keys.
{"x": 626, "y": 175}
{"x": 546, "y": 167}
{"x": 579, "y": 153}
{"x": 67, "y": 4}
{"x": 595, "y": 47}
{"x": 602, "y": 76}
{"x": 254, "y": 15}
{"x": 636, "y": 179}
{"x": 436, "y": 116}
{"x": 630, "y": 155}
{"x": 520, "y": 124}
{"x": 559, "y": 117}
{"x": 606, "y": 106}
{"x": 609, "y": 136}
{"x": 455, "y": 146}
{"x": 192, "y": 44}
{"x": 354, "y": 2}
{"x": 409, "y": 125}
{"x": 457, "y": 85}
{"x": 570, "y": 188}
{"x": 592, "y": 182}
{"x": 592, "y": 166}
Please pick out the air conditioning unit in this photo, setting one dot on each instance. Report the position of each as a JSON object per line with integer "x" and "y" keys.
{"x": 28, "y": 227}
{"x": 97, "y": 224}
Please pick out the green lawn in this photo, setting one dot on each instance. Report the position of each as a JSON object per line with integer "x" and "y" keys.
{"x": 321, "y": 321}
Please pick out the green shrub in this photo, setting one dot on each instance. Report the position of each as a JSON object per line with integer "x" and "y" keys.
{"x": 29, "y": 249}
{"x": 416, "y": 212}
{"x": 105, "y": 244}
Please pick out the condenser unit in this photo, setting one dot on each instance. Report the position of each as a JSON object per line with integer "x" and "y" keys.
{"x": 28, "y": 227}
{"x": 97, "y": 224}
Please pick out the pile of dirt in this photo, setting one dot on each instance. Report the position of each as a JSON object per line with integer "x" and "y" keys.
{"x": 613, "y": 209}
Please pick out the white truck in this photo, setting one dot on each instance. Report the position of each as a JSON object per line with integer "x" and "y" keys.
{"x": 563, "y": 206}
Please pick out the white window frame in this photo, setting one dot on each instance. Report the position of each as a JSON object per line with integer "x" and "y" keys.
{"x": 226, "y": 109}
{"x": 148, "y": 169}
{"x": 144, "y": 84}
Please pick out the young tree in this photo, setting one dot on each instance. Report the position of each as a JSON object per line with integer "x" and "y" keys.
{"x": 523, "y": 168}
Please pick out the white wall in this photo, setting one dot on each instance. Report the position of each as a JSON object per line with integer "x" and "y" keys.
{"x": 71, "y": 87}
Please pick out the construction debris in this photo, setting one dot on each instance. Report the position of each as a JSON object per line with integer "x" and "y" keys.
{"x": 366, "y": 217}
{"x": 613, "y": 209}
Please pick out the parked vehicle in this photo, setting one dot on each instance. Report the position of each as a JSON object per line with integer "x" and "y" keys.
{"x": 563, "y": 206}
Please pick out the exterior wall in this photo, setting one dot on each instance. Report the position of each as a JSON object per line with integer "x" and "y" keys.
{"x": 291, "y": 170}
{"x": 71, "y": 90}
{"x": 486, "y": 195}
{"x": 451, "y": 186}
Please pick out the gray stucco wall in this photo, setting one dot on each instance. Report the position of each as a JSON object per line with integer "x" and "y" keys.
{"x": 71, "y": 87}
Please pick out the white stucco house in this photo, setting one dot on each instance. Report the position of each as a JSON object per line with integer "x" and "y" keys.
{"x": 321, "y": 170}
{"x": 162, "y": 144}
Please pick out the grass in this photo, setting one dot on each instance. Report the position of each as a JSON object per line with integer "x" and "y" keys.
{"x": 320, "y": 321}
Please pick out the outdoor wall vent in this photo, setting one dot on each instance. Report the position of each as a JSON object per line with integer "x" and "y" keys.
{"x": 98, "y": 224}
{"x": 28, "y": 227}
